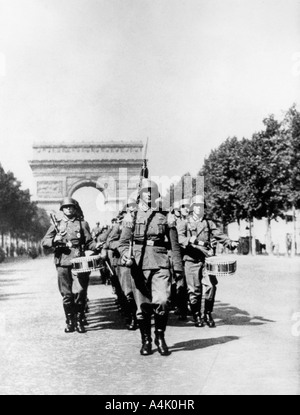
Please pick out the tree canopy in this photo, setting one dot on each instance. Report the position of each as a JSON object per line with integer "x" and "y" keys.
{"x": 18, "y": 214}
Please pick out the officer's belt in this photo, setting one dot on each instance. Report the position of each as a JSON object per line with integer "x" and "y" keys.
{"x": 151, "y": 243}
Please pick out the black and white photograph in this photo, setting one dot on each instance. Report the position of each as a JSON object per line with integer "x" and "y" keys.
{"x": 149, "y": 200}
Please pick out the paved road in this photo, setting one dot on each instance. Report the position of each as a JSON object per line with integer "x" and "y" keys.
{"x": 253, "y": 350}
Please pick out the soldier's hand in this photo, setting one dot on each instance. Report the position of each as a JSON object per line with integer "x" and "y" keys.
{"x": 234, "y": 245}
{"x": 194, "y": 240}
{"x": 69, "y": 244}
{"x": 178, "y": 276}
{"x": 214, "y": 243}
{"x": 126, "y": 260}
{"x": 99, "y": 245}
{"x": 58, "y": 238}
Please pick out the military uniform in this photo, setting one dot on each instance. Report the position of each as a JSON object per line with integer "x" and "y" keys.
{"x": 126, "y": 297}
{"x": 181, "y": 284}
{"x": 96, "y": 231}
{"x": 195, "y": 237}
{"x": 151, "y": 276}
{"x": 76, "y": 234}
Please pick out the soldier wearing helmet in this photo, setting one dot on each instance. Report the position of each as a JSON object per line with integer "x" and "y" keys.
{"x": 180, "y": 298}
{"x": 69, "y": 237}
{"x": 197, "y": 237}
{"x": 152, "y": 236}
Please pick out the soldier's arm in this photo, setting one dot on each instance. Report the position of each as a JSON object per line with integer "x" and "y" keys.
{"x": 182, "y": 229}
{"x": 90, "y": 244}
{"x": 48, "y": 240}
{"x": 125, "y": 240}
{"x": 175, "y": 249}
{"x": 113, "y": 238}
{"x": 218, "y": 235}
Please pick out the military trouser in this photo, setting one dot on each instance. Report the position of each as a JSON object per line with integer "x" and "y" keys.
{"x": 152, "y": 293}
{"x": 126, "y": 281}
{"x": 73, "y": 288}
{"x": 200, "y": 284}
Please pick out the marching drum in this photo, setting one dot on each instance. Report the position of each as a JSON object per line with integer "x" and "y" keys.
{"x": 87, "y": 263}
{"x": 220, "y": 266}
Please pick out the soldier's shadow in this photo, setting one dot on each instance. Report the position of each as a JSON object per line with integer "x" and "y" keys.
{"x": 104, "y": 314}
{"x": 197, "y": 344}
{"x": 225, "y": 314}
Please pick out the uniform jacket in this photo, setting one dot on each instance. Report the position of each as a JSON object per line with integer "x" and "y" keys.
{"x": 77, "y": 232}
{"x": 112, "y": 244}
{"x": 204, "y": 230}
{"x": 152, "y": 226}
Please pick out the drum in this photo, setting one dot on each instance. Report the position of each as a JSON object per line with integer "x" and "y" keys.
{"x": 220, "y": 266}
{"x": 87, "y": 263}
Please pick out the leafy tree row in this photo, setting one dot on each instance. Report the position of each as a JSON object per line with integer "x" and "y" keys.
{"x": 257, "y": 177}
{"x": 18, "y": 214}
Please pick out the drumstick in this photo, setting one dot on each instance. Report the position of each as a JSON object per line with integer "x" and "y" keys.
{"x": 109, "y": 268}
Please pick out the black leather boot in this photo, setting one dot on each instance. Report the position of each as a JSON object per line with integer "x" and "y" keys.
{"x": 145, "y": 329}
{"x": 70, "y": 318}
{"x": 160, "y": 328}
{"x": 207, "y": 314}
{"x": 80, "y": 323}
{"x": 132, "y": 323}
{"x": 195, "y": 308}
{"x": 70, "y": 323}
{"x": 208, "y": 319}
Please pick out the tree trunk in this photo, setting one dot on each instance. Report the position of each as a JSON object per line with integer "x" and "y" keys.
{"x": 294, "y": 234}
{"x": 269, "y": 242}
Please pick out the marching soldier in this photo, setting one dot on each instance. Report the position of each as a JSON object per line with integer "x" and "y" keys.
{"x": 150, "y": 267}
{"x": 70, "y": 236}
{"x": 180, "y": 295}
{"x": 198, "y": 236}
{"x": 126, "y": 298}
{"x": 96, "y": 231}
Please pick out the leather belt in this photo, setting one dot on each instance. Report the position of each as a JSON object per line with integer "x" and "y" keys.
{"x": 151, "y": 243}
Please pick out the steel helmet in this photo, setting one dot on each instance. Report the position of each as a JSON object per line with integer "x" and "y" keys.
{"x": 68, "y": 201}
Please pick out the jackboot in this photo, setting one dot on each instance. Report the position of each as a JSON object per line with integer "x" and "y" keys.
{"x": 195, "y": 308}
{"x": 160, "y": 328}
{"x": 132, "y": 323}
{"x": 208, "y": 319}
{"x": 145, "y": 329}
{"x": 80, "y": 323}
{"x": 70, "y": 324}
{"x": 70, "y": 318}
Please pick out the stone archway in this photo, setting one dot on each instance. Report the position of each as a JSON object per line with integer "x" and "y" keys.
{"x": 61, "y": 169}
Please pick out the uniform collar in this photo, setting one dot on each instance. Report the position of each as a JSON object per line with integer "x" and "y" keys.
{"x": 144, "y": 207}
{"x": 196, "y": 219}
{"x": 66, "y": 219}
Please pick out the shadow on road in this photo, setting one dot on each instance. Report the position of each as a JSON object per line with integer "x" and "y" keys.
{"x": 196, "y": 344}
{"x": 229, "y": 315}
{"x": 225, "y": 314}
{"x": 15, "y": 296}
{"x": 104, "y": 314}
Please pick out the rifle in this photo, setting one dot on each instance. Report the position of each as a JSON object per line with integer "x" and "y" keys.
{"x": 55, "y": 224}
{"x": 54, "y": 221}
{"x": 143, "y": 175}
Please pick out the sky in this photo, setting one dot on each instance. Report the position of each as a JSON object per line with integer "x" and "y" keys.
{"x": 185, "y": 73}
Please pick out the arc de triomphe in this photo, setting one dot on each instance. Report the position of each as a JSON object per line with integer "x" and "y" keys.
{"x": 61, "y": 169}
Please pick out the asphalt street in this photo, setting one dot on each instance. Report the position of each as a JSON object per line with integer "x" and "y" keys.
{"x": 254, "y": 349}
